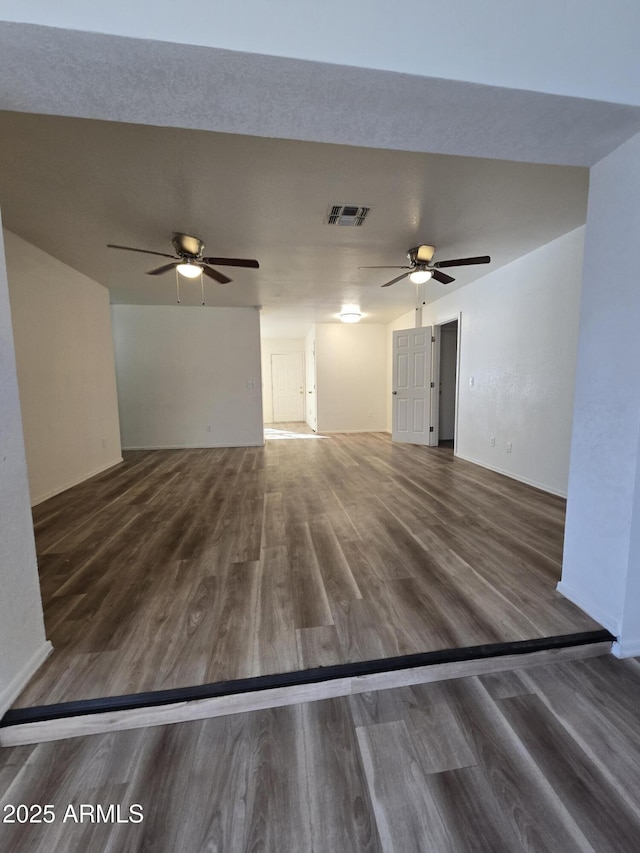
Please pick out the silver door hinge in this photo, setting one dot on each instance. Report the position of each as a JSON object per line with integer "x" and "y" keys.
{"x": 432, "y": 384}
{"x": 430, "y": 429}
{"x": 433, "y": 340}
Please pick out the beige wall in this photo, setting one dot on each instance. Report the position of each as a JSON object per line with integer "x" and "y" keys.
{"x": 182, "y": 370}
{"x": 64, "y": 355}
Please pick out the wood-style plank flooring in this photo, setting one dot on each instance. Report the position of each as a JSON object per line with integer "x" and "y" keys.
{"x": 542, "y": 759}
{"x": 193, "y": 566}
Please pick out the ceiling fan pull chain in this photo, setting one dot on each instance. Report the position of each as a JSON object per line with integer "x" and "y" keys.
{"x": 178, "y": 286}
{"x": 202, "y": 285}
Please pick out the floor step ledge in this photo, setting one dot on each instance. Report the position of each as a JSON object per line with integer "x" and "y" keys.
{"x": 95, "y": 716}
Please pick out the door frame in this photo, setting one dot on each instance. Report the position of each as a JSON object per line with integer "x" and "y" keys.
{"x": 435, "y": 380}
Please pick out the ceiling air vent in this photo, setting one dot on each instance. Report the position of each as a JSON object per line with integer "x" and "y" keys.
{"x": 347, "y": 214}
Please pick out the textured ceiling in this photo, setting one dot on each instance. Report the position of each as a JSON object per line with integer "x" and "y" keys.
{"x": 110, "y": 139}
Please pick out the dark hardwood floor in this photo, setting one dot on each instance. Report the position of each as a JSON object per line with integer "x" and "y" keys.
{"x": 542, "y": 759}
{"x": 186, "y": 567}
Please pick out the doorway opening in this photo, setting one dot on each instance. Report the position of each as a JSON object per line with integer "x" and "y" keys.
{"x": 446, "y": 383}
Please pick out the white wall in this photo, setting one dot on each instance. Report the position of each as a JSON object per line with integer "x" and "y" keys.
{"x": 268, "y": 347}
{"x": 405, "y": 321}
{"x": 518, "y": 340}
{"x": 181, "y": 369}
{"x": 66, "y": 375}
{"x": 547, "y": 46}
{"x": 351, "y": 369}
{"x": 602, "y": 539}
{"x": 22, "y": 640}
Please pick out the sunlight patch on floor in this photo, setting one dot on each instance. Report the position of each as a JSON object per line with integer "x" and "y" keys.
{"x": 270, "y": 434}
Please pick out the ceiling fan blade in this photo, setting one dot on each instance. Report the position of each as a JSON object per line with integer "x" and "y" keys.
{"x": 442, "y": 277}
{"x": 395, "y": 267}
{"x": 162, "y": 269}
{"x": 144, "y": 251}
{"x": 393, "y": 280}
{"x": 462, "y": 262}
{"x": 220, "y": 277}
{"x": 233, "y": 262}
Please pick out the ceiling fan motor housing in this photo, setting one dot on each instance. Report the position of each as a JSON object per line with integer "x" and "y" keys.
{"x": 186, "y": 246}
{"x": 421, "y": 254}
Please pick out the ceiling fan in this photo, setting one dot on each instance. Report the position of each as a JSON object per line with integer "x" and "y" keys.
{"x": 421, "y": 268}
{"x": 188, "y": 259}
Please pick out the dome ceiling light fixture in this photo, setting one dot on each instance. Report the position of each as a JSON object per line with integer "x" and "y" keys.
{"x": 351, "y": 314}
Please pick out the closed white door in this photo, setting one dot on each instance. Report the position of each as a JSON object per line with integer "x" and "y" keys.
{"x": 411, "y": 385}
{"x": 287, "y": 382}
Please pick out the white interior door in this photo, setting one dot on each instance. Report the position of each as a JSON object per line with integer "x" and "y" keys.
{"x": 311, "y": 405}
{"x": 411, "y": 385}
{"x": 287, "y": 382}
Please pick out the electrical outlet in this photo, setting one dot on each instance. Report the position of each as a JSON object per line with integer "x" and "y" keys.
{"x": 208, "y": 427}
{"x": 492, "y": 441}
{"x": 370, "y": 414}
{"x": 509, "y": 447}
{"x": 249, "y": 383}
{"x": 471, "y": 381}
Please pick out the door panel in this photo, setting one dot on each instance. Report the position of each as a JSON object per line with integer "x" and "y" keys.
{"x": 403, "y": 371}
{"x": 411, "y": 385}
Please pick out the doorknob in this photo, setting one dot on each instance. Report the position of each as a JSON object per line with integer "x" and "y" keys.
{"x": 394, "y": 392}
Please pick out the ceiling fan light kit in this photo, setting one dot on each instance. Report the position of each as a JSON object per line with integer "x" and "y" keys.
{"x": 421, "y": 267}
{"x": 420, "y": 276}
{"x": 189, "y": 270}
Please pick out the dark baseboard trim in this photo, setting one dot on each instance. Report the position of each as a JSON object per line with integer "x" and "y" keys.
{"x": 82, "y": 707}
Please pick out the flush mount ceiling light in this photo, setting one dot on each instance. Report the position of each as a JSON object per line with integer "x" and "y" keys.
{"x": 420, "y": 276}
{"x": 350, "y": 314}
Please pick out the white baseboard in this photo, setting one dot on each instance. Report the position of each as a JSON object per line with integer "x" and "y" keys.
{"x": 75, "y": 482}
{"x": 591, "y": 609}
{"x": 20, "y": 680}
{"x": 542, "y": 486}
{"x": 189, "y": 446}
{"x": 626, "y": 649}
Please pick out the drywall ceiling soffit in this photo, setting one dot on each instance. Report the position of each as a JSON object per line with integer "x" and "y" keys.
{"x": 54, "y": 71}
{"x": 587, "y": 49}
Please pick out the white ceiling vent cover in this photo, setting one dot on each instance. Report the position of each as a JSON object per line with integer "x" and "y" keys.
{"x": 347, "y": 214}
